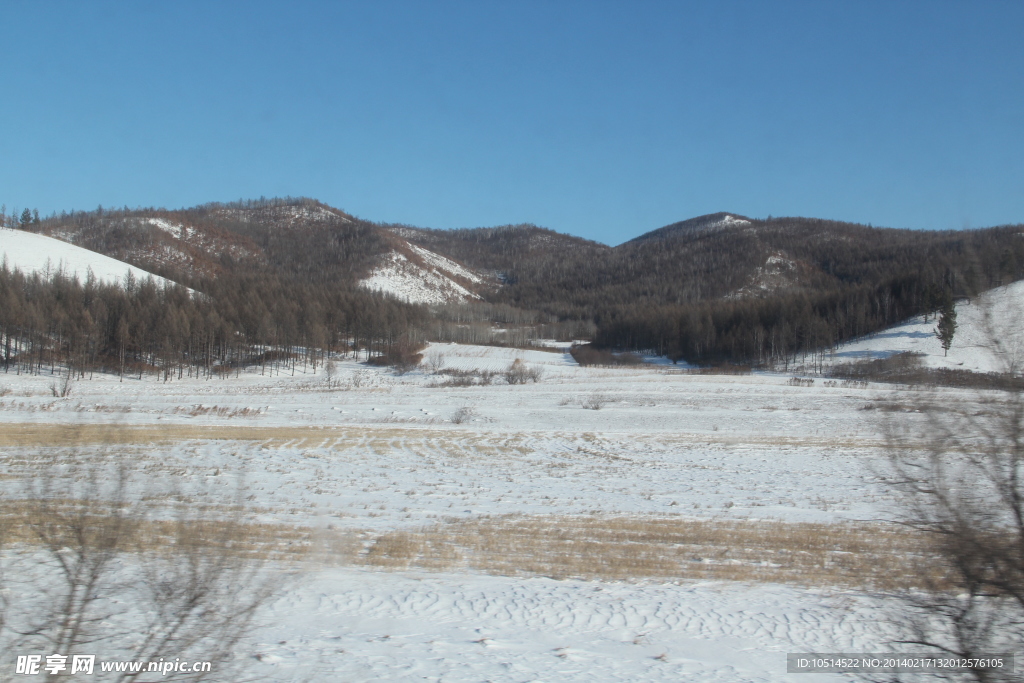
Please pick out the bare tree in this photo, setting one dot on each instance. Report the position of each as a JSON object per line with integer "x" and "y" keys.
{"x": 963, "y": 486}
{"x": 436, "y": 360}
{"x": 104, "y": 570}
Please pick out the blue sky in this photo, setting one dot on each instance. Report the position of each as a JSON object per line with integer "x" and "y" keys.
{"x": 601, "y": 119}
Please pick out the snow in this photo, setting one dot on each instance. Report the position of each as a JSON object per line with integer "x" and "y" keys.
{"x": 173, "y": 229}
{"x": 729, "y": 221}
{"x": 996, "y": 315}
{"x": 439, "y": 262}
{"x": 33, "y": 253}
{"x": 497, "y": 358}
{"x": 778, "y": 272}
{"x": 371, "y": 452}
{"x": 374, "y": 452}
{"x": 401, "y": 278}
{"x": 451, "y": 627}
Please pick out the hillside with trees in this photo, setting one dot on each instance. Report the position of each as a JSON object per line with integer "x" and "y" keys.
{"x": 729, "y": 288}
{"x": 281, "y": 279}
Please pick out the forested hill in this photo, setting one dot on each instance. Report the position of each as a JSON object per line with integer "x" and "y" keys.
{"x": 724, "y": 257}
{"x": 298, "y": 238}
{"x": 716, "y": 287}
{"x": 728, "y": 287}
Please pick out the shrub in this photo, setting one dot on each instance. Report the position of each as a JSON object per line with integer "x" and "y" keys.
{"x": 520, "y": 373}
{"x": 906, "y": 368}
{"x": 463, "y": 378}
{"x": 463, "y": 414}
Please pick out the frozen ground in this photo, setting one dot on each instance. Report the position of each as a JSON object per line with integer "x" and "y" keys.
{"x": 375, "y": 449}
{"x": 369, "y": 452}
{"x": 349, "y": 625}
{"x": 365, "y": 454}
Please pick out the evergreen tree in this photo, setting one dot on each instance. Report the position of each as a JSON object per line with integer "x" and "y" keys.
{"x": 947, "y": 324}
{"x": 26, "y": 217}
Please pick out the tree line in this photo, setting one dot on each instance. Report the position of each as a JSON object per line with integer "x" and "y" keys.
{"x": 138, "y": 327}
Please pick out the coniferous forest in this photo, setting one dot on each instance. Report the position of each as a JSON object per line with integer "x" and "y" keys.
{"x": 275, "y": 283}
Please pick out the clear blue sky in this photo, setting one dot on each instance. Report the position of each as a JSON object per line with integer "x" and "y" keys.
{"x": 601, "y": 119}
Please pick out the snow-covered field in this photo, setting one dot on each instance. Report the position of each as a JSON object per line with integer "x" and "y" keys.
{"x": 31, "y": 253}
{"x": 368, "y": 453}
{"x": 350, "y": 625}
{"x": 362, "y": 456}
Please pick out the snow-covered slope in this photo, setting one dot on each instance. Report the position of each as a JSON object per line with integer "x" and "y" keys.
{"x": 32, "y": 253}
{"x": 434, "y": 282}
{"x": 173, "y": 229}
{"x": 989, "y": 335}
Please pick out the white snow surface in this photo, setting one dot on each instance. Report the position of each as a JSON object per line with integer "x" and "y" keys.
{"x": 33, "y": 253}
{"x": 367, "y": 452}
{"x": 173, "y": 229}
{"x": 415, "y": 626}
{"x": 438, "y": 262}
{"x": 402, "y": 278}
{"x": 381, "y": 453}
{"x": 989, "y": 336}
{"x": 729, "y": 220}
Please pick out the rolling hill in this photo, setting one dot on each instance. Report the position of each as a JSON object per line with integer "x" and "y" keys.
{"x": 720, "y": 287}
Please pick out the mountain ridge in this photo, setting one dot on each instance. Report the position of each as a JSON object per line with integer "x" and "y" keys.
{"x": 721, "y": 285}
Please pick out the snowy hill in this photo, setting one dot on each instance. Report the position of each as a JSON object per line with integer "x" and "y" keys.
{"x": 422, "y": 277}
{"x": 33, "y": 253}
{"x": 995, "y": 315}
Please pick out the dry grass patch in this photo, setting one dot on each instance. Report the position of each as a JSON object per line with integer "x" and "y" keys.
{"x": 847, "y": 555}
{"x": 23, "y": 519}
{"x": 382, "y": 440}
{"x": 870, "y": 556}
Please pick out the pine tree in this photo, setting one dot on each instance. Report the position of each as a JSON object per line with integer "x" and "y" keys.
{"x": 26, "y": 217}
{"x": 947, "y": 324}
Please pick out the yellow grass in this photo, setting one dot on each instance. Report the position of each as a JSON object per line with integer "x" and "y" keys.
{"x": 63, "y": 435}
{"x": 627, "y": 548}
{"x": 607, "y": 547}
{"x": 91, "y": 522}
{"x": 863, "y": 556}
